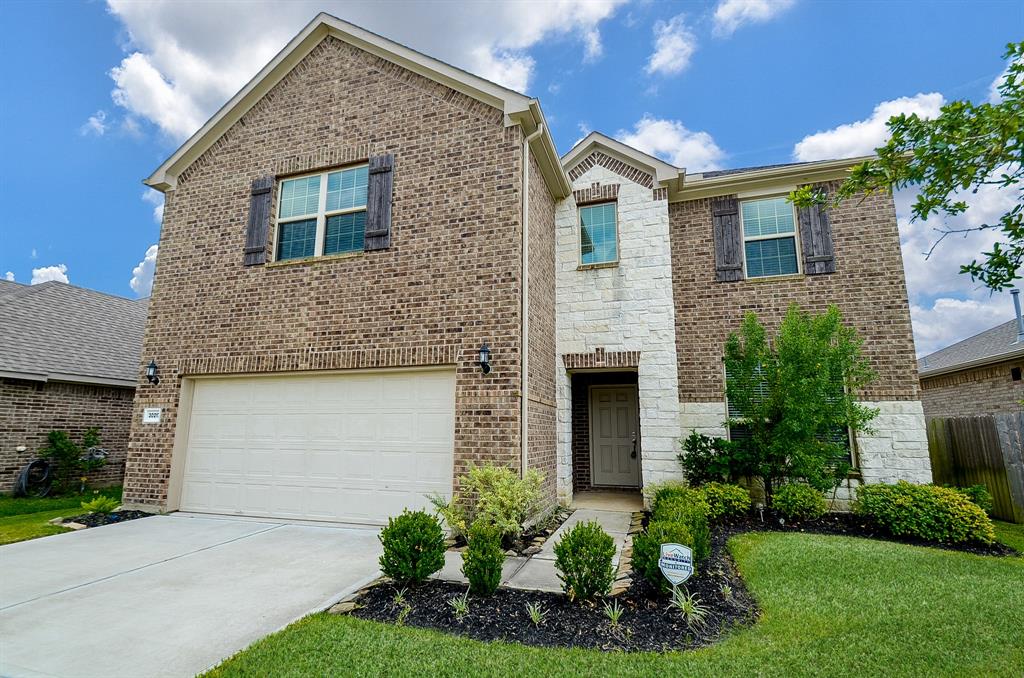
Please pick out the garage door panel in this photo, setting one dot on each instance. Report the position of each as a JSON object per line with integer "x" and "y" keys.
{"x": 356, "y": 447}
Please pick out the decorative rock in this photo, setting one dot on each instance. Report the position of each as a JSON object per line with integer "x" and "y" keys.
{"x": 343, "y": 608}
{"x": 511, "y": 552}
{"x": 531, "y": 551}
{"x": 74, "y": 526}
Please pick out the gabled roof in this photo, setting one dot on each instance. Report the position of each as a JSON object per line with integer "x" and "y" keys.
{"x": 55, "y": 331}
{"x": 991, "y": 346}
{"x": 518, "y": 108}
{"x": 659, "y": 169}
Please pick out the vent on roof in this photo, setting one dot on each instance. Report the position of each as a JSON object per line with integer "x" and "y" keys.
{"x": 1020, "y": 320}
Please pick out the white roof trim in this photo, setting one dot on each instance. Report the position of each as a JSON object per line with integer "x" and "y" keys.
{"x": 510, "y": 102}
{"x": 662, "y": 171}
{"x": 770, "y": 177}
{"x": 70, "y": 378}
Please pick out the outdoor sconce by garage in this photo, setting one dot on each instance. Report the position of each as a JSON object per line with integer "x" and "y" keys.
{"x": 151, "y": 375}
{"x": 485, "y": 358}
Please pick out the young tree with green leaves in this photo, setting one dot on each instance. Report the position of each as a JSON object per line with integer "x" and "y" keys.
{"x": 965, "y": 147}
{"x": 793, "y": 395}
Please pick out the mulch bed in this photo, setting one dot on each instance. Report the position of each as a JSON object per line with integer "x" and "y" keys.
{"x": 97, "y": 519}
{"x": 532, "y": 538}
{"x": 850, "y": 525}
{"x": 647, "y": 622}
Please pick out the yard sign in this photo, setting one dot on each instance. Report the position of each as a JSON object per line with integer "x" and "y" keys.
{"x": 676, "y": 563}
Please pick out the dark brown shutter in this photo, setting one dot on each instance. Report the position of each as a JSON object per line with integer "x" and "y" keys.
{"x": 378, "y": 203}
{"x": 259, "y": 222}
{"x": 725, "y": 214}
{"x": 816, "y": 240}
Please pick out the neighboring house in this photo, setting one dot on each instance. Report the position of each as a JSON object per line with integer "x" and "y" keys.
{"x": 979, "y": 375}
{"x": 350, "y": 234}
{"x": 68, "y": 362}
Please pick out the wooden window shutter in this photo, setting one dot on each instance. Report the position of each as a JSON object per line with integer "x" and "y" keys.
{"x": 725, "y": 214}
{"x": 259, "y": 221}
{"x": 378, "y": 203}
{"x": 816, "y": 240}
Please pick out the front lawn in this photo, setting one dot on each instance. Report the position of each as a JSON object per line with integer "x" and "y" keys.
{"x": 1010, "y": 534}
{"x": 24, "y": 518}
{"x": 831, "y": 606}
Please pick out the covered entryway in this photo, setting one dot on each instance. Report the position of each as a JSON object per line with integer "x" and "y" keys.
{"x": 347, "y": 447}
{"x": 606, "y": 437}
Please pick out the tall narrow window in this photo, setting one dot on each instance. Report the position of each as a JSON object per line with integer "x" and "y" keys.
{"x": 322, "y": 214}
{"x": 599, "y": 241}
{"x": 769, "y": 237}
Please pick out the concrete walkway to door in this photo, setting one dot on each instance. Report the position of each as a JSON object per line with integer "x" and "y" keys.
{"x": 168, "y": 595}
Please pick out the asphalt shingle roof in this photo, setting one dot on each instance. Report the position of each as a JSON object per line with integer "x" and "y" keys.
{"x": 58, "y": 329}
{"x": 1000, "y": 341}
{"x": 741, "y": 170}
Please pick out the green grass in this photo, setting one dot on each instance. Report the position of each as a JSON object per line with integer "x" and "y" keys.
{"x": 1010, "y": 534}
{"x": 24, "y": 518}
{"x": 831, "y": 606}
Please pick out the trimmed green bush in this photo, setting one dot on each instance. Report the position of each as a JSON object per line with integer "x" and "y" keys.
{"x": 498, "y": 495}
{"x": 979, "y": 495}
{"x": 691, "y": 510}
{"x": 647, "y": 549}
{"x": 483, "y": 558}
{"x": 796, "y": 501}
{"x": 413, "y": 547}
{"x": 669, "y": 500}
{"x": 726, "y": 501}
{"x": 583, "y": 558}
{"x": 924, "y": 511}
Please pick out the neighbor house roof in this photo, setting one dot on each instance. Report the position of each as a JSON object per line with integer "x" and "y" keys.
{"x": 518, "y": 108}
{"x": 991, "y": 346}
{"x": 58, "y": 332}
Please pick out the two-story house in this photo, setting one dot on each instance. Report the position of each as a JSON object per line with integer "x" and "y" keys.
{"x": 375, "y": 271}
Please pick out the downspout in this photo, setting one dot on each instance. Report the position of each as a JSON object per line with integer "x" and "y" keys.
{"x": 524, "y": 362}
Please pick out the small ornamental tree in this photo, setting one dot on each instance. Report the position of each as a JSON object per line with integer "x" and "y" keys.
{"x": 793, "y": 395}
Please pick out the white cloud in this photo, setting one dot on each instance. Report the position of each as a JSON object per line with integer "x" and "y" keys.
{"x": 731, "y": 14}
{"x": 994, "y": 97}
{"x": 156, "y": 199}
{"x": 56, "y": 273}
{"x": 674, "y": 44}
{"x": 142, "y": 274}
{"x": 96, "y": 124}
{"x": 950, "y": 320}
{"x": 671, "y": 141}
{"x": 182, "y": 64}
{"x": 864, "y": 136}
{"x": 9, "y": 276}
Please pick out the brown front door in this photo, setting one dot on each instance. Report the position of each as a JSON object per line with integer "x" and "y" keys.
{"x": 614, "y": 436}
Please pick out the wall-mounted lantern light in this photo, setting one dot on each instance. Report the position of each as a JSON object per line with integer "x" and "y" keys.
{"x": 485, "y": 358}
{"x": 151, "y": 373}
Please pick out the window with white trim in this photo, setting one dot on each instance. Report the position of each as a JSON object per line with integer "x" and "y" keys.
{"x": 322, "y": 213}
{"x": 599, "y": 239}
{"x": 769, "y": 237}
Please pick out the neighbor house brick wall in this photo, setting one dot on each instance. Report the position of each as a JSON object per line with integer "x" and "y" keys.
{"x": 450, "y": 281}
{"x": 29, "y": 410}
{"x": 983, "y": 390}
{"x": 541, "y": 404}
{"x": 868, "y": 287}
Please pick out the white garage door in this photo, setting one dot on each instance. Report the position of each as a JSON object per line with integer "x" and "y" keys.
{"x": 342, "y": 447}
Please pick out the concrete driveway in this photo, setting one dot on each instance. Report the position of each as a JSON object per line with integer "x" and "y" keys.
{"x": 168, "y": 595}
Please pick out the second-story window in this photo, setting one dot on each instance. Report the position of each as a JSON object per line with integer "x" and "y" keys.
{"x": 322, "y": 213}
{"x": 769, "y": 237}
{"x": 599, "y": 241}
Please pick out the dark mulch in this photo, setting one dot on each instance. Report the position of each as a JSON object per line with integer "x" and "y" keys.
{"x": 526, "y": 544}
{"x": 647, "y": 623}
{"x": 850, "y": 525}
{"x": 97, "y": 519}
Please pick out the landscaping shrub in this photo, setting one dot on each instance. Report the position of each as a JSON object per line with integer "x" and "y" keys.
{"x": 495, "y": 494}
{"x": 583, "y": 558}
{"x": 413, "y": 547}
{"x": 979, "y": 495}
{"x": 101, "y": 504}
{"x": 72, "y": 463}
{"x": 924, "y": 511}
{"x": 796, "y": 501}
{"x": 691, "y": 510}
{"x": 647, "y": 549}
{"x": 668, "y": 499}
{"x": 725, "y": 501}
{"x": 706, "y": 459}
{"x": 483, "y": 558}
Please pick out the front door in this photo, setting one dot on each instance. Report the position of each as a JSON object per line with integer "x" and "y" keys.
{"x": 614, "y": 436}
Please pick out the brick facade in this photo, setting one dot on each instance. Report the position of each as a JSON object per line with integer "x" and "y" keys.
{"x": 983, "y": 390}
{"x": 450, "y": 281}
{"x": 30, "y": 410}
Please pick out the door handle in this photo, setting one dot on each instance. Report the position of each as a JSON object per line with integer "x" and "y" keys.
{"x": 633, "y": 453}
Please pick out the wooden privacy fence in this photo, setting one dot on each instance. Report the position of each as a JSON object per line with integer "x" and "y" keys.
{"x": 985, "y": 450}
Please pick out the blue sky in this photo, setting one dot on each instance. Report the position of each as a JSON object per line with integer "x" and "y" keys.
{"x": 721, "y": 83}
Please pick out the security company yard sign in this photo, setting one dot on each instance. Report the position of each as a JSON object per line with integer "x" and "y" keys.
{"x": 676, "y": 563}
